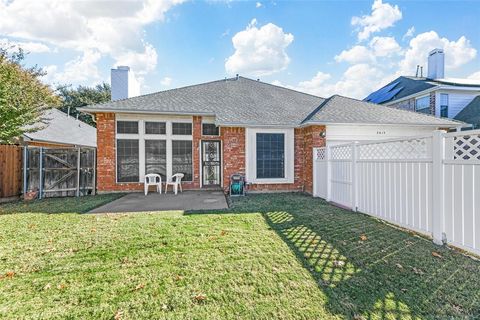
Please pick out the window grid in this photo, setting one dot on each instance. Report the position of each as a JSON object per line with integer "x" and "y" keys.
{"x": 155, "y": 127}
{"x": 128, "y": 160}
{"x": 270, "y": 155}
{"x": 129, "y": 127}
{"x": 182, "y": 160}
{"x": 210, "y": 129}
{"x": 156, "y": 157}
{"x": 179, "y": 128}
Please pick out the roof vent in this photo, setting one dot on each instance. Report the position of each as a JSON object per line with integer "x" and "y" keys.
{"x": 237, "y": 77}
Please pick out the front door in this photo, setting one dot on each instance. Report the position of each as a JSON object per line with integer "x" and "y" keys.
{"x": 211, "y": 163}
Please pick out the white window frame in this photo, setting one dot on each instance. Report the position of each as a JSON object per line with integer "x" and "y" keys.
{"x": 142, "y": 136}
{"x": 251, "y": 155}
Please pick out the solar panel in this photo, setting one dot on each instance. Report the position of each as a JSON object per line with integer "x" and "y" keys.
{"x": 382, "y": 95}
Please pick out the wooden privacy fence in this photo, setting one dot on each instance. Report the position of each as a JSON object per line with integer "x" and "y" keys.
{"x": 60, "y": 172}
{"x": 429, "y": 184}
{"x": 10, "y": 171}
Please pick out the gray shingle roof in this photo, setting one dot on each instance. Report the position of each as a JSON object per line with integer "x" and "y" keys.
{"x": 471, "y": 113}
{"x": 247, "y": 102}
{"x": 63, "y": 129}
{"x": 338, "y": 109}
{"x": 413, "y": 85}
{"x": 233, "y": 101}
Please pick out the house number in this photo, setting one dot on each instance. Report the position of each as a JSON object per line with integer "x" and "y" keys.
{"x": 381, "y": 132}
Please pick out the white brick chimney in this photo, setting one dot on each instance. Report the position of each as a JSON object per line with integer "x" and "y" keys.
{"x": 436, "y": 64}
{"x": 123, "y": 82}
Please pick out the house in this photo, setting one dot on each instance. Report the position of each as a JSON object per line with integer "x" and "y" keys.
{"x": 61, "y": 130}
{"x": 434, "y": 94}
{"x": 212, "y": 130}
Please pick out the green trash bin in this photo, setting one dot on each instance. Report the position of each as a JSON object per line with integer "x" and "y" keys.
{"x": 237, "y": 185}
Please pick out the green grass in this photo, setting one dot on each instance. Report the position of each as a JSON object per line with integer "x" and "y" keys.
{"x": 284, "y": 256}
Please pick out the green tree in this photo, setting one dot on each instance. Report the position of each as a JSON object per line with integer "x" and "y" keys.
{"x": 73, "y": 98}
{"x": 23, "y": 97}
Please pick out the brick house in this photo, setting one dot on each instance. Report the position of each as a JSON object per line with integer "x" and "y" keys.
{"x": 212, "y": 130}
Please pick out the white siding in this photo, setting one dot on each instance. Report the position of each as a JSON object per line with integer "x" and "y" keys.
{"x": 457, "y": 100}
{"x": 347, "y": 133}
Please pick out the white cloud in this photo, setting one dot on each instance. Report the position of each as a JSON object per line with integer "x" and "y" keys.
{"x": 28, "y": 46}
{"x": 81, "y": 69}
{"x": 259, "y": 51}
{"x": 258, "y": 5}
{"x": 384, "y": 46}
{"x": 410, "y": 32}
{"x": 110, "y": 29}
{"x": 166, "y": 81}
{"x": 457, "y": 53}
{"x": 475, "y": 76}
{"x": 140, "y": 62}
{"x": 355, "y": 55}
{"x": 383, "y": 16}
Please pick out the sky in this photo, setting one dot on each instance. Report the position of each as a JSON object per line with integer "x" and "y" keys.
{"x": 321, "y": 47}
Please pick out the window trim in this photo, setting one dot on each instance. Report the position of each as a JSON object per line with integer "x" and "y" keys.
{"x": 251, "y": 156}
{"x": 141, "y": 136}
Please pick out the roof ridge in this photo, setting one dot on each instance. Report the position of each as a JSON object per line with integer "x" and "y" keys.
{"x": 316, "y": 110}
{"x": 281, "y": 87}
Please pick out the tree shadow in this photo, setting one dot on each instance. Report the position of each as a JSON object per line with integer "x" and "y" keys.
{"x": 369, "y": 269}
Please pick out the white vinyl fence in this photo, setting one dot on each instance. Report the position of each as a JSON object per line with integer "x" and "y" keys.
{"x": 429, "y": 184}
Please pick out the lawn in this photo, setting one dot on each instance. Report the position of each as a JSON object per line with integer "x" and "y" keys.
{"x": 286, "y": 256}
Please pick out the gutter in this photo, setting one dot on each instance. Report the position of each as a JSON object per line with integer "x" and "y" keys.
{"x": 440, "y": 87}
{"x": 461, "y": 125}
{"x": 91, "y": 110}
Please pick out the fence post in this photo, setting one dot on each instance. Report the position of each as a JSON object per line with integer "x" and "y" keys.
{"x": 438, "y": 151}
{"x": 329, "y": 172}
{"x": 40, "y": 174}
{"x": 314, "y": 172}
{"x": 354, "y": 177}
{"x": 77, "y": 193}
{"x": 25, "y": 163}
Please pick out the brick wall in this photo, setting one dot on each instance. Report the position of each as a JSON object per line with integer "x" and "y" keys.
{"x": 432, "y": 103}
{"x": 233, "y": 144}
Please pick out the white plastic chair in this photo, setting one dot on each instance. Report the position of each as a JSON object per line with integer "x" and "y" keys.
{"x": 153, "y": 179}
{"x": 175, "y": 181}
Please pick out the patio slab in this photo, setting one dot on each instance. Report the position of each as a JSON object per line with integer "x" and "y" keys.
{"x": 187, "y": 200}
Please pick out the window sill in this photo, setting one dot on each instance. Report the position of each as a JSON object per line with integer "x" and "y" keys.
{"x": 271, "y": 181}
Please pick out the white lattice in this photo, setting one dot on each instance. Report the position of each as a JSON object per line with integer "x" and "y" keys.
{"x": 395, "y": 150}
{"x": 321, "y": 153}
{"x": 342, "y": 152}
{"x": 466, "y": 147}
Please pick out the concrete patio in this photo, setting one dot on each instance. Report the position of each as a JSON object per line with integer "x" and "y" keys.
{"x": 187, "y": 200}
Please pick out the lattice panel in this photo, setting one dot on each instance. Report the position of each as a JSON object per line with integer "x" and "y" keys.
{"x": 341, "y": 152}
{"x": 466, "y": 147}
{"x": 396, "y": 150}
{"x": 321, "y": 153}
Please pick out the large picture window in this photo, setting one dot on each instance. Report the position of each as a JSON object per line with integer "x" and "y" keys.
{"x": 182, "y": 161}
{"x": 422, "y": 105}
{"x": 127, "y": 160}
{"x": 156, "y": 157}
{"x": 270, "y": 155}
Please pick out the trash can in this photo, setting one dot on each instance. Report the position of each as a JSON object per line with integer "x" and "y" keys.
{"x": 237, "y": 185}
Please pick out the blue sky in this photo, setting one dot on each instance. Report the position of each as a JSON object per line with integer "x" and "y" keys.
{"x": 321, "y": 47}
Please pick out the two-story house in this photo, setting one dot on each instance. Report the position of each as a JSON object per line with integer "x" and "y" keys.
{"x": 457, "y": 99}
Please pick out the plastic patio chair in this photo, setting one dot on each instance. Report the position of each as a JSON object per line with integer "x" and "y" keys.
{"x": 175, "y": 182}
{"x": 153, "y": 179}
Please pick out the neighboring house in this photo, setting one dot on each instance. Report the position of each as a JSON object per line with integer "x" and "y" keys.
{"x": 212, "y": 130}
{"x": 435, "y": 95}
{"x": 61, "y": 130}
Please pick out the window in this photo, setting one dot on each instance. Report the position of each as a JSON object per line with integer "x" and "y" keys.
{"x": 444, "y": 105}
{"x": 156, "y": 157}
{"x": 179, "y": 128}
{"x": 155, "y": 128}
{"x": 422, "y": 105}
{"x": 182, "y": 158}
{"x": 210, "y": 129}
{"x": 270, "y": 155}
{"x": 127, "y": 160}
{"x": 130, "y": 127}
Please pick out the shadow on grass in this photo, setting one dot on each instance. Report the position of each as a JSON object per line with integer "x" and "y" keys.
{"x": 59, "y": 205}
{"x": 369, "y": 269}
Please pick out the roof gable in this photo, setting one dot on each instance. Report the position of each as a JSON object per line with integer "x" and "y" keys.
{"x": 471, "y": 113}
